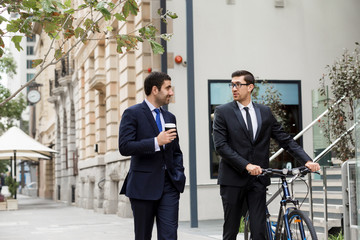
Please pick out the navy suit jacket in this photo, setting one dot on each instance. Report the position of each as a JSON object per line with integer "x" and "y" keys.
{"x": 146, "y": 176}
{"x": 232, "y": 141}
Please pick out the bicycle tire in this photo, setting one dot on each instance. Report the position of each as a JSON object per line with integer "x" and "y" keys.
{"x": 295, "y": 218}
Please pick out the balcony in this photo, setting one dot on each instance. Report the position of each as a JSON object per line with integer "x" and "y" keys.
{"x": 62, "y": 78}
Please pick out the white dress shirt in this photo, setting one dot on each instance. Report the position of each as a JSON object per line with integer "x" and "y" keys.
{"x": 152, "y": 108}
{"x": 252, "y": 116}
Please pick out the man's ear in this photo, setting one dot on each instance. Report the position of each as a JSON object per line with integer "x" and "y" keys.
{"x": 154, "y": 90}
{"x": 251, "y": 87}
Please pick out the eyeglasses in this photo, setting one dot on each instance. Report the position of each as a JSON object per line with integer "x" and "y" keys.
{"x": 238, "y": 85}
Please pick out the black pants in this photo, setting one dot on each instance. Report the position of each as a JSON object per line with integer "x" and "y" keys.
{"x": 234, "y": 198}
{"x": 165, "y": 210}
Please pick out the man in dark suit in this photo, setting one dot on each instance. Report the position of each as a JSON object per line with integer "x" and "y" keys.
{"x": 242, "y": 132}
{"x": 156, "y": 175}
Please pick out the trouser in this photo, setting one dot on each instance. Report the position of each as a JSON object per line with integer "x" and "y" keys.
{"x": 233, "y": 199}
{"x": 165, "y": 210}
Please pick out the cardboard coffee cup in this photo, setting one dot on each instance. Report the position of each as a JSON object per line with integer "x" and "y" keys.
{"x": 169, "y": 126}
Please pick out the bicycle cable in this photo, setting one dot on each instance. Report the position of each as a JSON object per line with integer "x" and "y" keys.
{"x": 307, "y": 192}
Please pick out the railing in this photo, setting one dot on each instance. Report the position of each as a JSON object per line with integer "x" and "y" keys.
{"x": 66, "y": 69}
{"x": 308, "y": 127}
{"x": 316, "y": 159}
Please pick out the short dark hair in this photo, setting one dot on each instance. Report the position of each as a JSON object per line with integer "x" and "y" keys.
{"x": 249, "y": 78}
{"x": 154, "y": 79}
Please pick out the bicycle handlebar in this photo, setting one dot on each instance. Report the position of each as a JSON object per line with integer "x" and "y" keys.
{"x": 300, "y": 171}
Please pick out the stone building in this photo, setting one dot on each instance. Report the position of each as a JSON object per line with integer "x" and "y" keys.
{"x": 89, "y": 90}
{"x": 287, "y": 42}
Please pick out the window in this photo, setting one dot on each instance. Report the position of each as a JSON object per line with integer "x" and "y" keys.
{"x": 31, "y": 39}
{"x": 220, "y": 93}
{"x": 29, "y": 76}
{"x": 29, "y": 64}
{"x": 30, "y": 50}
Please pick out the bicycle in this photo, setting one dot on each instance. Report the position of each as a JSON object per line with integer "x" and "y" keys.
{"x": 291, "y": 223}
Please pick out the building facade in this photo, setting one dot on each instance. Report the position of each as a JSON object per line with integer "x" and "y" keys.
{"x": 286, "y": 42}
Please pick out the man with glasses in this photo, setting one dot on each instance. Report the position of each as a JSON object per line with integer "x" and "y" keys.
{"x": 242, "y": 132}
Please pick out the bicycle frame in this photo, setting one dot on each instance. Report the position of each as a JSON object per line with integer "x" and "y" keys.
{"x": 283, "y": 211}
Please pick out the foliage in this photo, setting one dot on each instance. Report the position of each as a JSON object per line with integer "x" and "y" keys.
{"x": 7, "y": 64}
{"x": 12, "y": 185}
{"x": 242, "y": 225}
{"x": 339, "y": 236}
{"x": 64, "y": 23}
{"x": 344, "y": 78}
{"x": 4, "y": 166}
{"x": 272, "y": 99}
{"x": 11, "y": 111}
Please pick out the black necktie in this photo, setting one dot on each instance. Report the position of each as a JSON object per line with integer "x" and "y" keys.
{"x": 249, "y": 123}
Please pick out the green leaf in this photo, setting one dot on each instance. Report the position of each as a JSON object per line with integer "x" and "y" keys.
{"x": 119, "y": 17}
{"x": 79, "y": 32}
{"x": 156, "y": 47}
{"x": 2, "y": 43}
{"x": 166, "y": 36}
{"x": 17, "y": 40}
{"x": 1, "y": 52}
{"x": 70, "y": 11}
{"x": 82, "y": 6}
{"x": 159, "y": 11}
{"x": 101, "y": 8}
{"x": 111, "y": 5}
{"x": 88, "y": 22}
{"x": 29, "y": 4}
{"x": 126, "y": 9}
{"x": 2, "y": 19}
{"x": 58, "y": 54}
{"x": 12, "y": 26}
{"x": 36, "y": 62}
{"x": 68, "y": 3}
{"x": 109, "y": 28}
{"x": 50, "y": 27}
{"x": 48, "y": 6}
{"x": 172, "y": 15}
{"x": 134, "y": 9}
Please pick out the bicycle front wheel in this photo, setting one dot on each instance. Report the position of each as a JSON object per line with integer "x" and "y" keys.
{"x": 300, "y": 226}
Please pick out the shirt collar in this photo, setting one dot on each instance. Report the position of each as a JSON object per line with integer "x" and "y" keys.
{"x": 150, "y": 105}
{"x": 250, "y": 105}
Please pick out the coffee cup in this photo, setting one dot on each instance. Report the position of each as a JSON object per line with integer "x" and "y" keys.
{"x": 169, "y": 126}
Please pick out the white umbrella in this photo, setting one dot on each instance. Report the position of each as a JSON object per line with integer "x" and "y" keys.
{"x": 15, "y": 140}
{"x": 22, "y": 156}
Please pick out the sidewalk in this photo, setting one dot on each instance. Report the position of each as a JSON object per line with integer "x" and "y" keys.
{"x": 40, "y": 219}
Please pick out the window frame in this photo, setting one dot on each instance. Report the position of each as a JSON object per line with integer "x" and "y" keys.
{"x": 227, "y": 81}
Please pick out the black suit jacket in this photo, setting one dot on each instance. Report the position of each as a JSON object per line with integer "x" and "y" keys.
{"x": 146, "y": 176}
{"x": 232, "y": 142}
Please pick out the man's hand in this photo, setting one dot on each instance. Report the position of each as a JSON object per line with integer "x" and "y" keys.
{"x": 312, "y": 166}
{"x": 253, "y": 169}
{"x": 166, "y": 137}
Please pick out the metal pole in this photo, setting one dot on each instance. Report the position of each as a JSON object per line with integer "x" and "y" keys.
{"x": 164, "y": 66}
{"x": 15, "y": 172}
{"x": 191, "y": 112}
{"x": 311, "y": 209}
{"x": 326, "y": 230}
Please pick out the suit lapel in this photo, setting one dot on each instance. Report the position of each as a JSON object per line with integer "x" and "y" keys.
{"x": 240, "y": 119}
{"x": 150, "y": 117}
{"x": 259, "y": 120}
{"x": 166, "y": 116}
